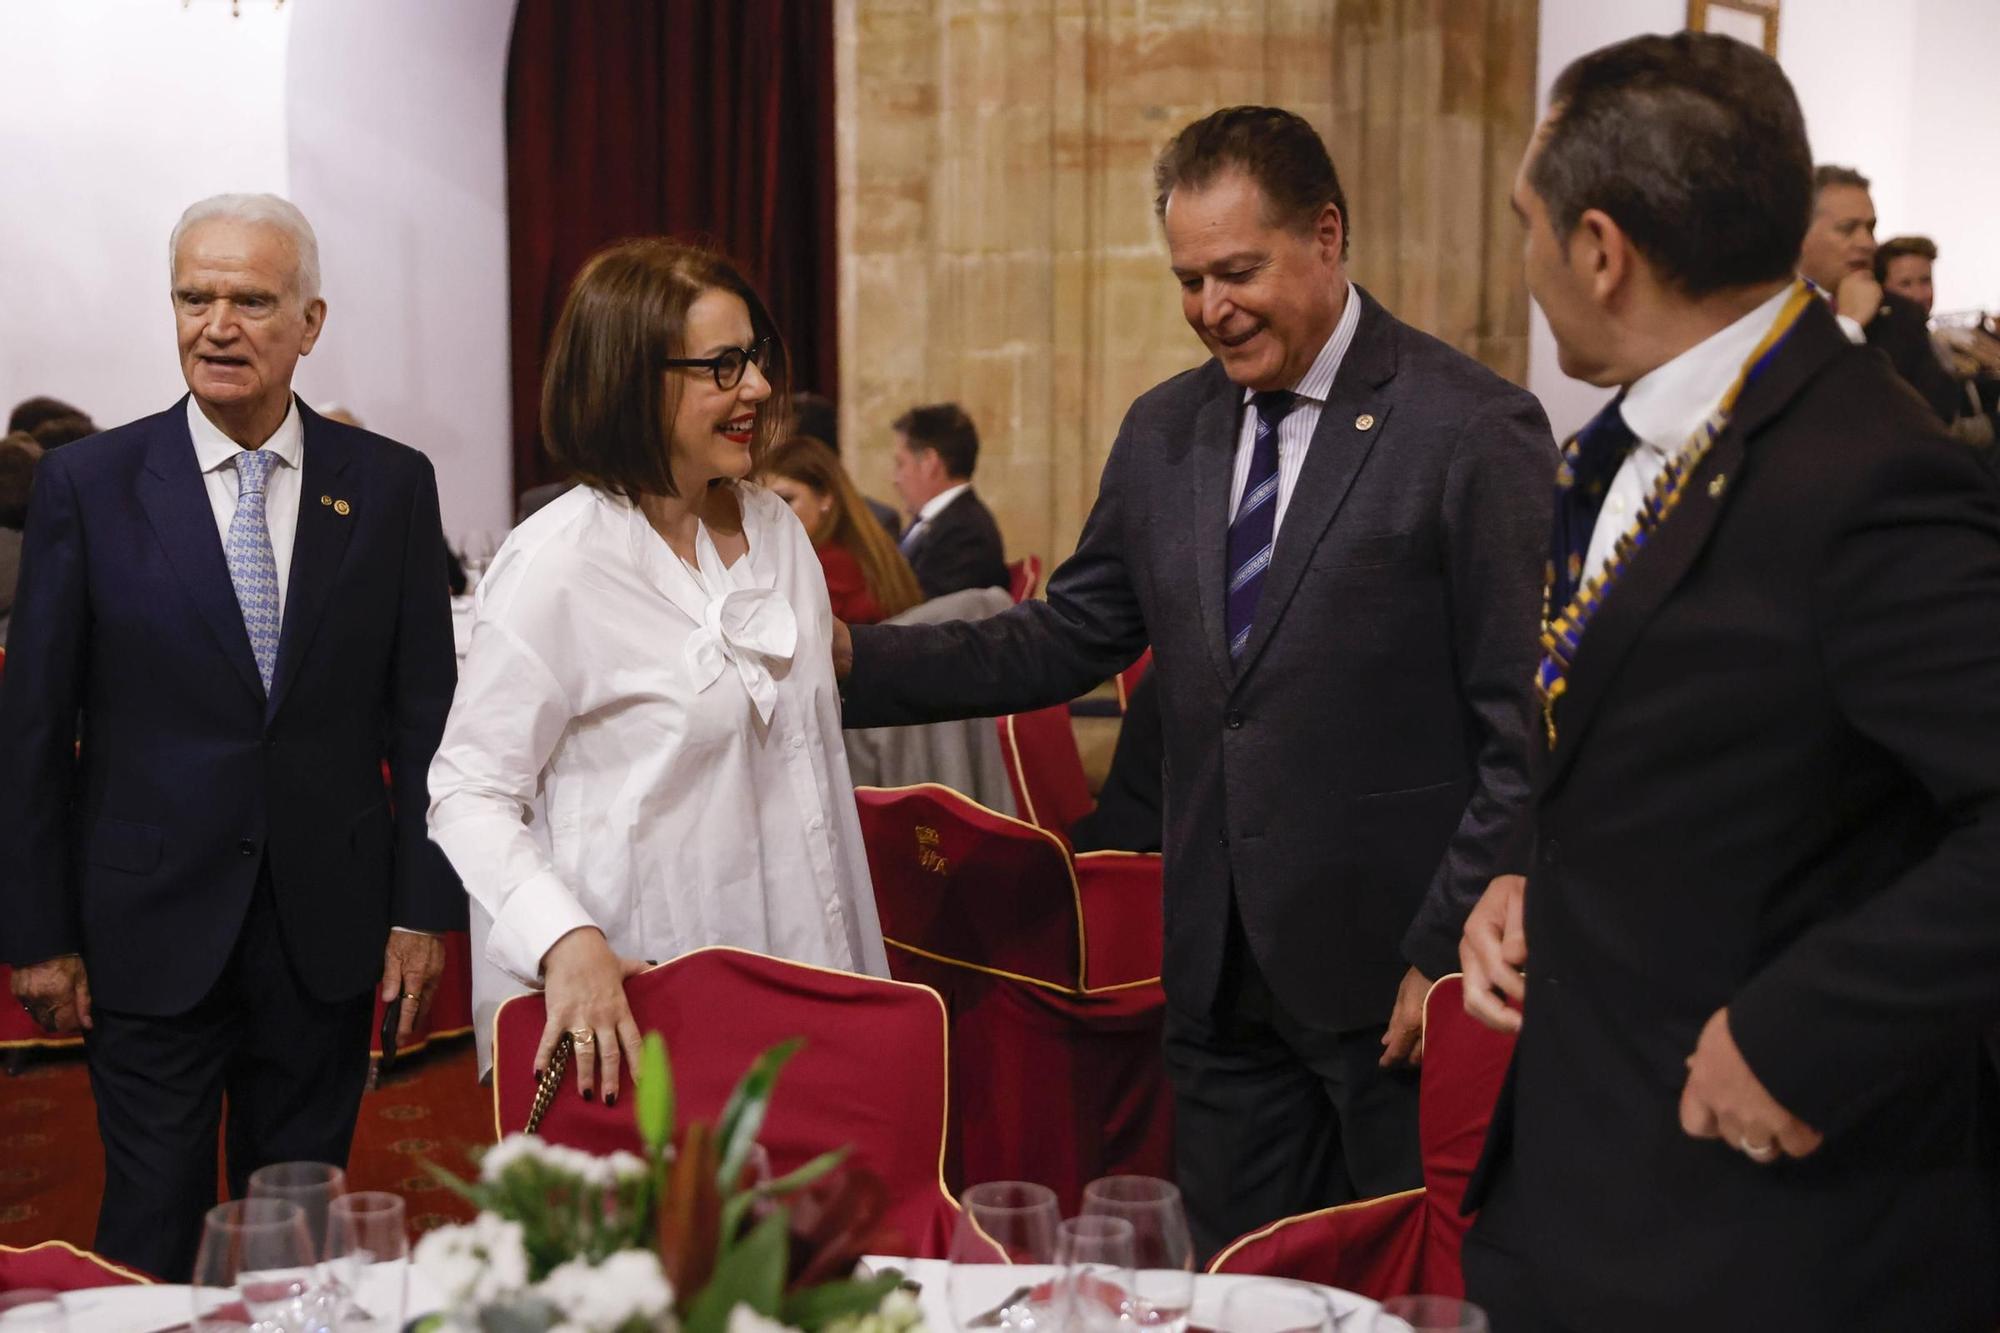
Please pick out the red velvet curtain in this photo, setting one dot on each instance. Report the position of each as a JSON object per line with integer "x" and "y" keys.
{"x": 685, "y": 118}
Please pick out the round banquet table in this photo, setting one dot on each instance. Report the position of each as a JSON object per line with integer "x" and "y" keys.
{"x": 151, "y": 1309}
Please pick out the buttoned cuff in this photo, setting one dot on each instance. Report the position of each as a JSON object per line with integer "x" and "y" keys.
{"x": 535, "y": 915}
{"x": 1852, "y": 328}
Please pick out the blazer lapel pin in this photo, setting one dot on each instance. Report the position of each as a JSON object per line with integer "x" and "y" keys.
{"x": 1715, "y": 487}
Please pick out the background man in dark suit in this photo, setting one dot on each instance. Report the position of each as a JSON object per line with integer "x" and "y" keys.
{"x": 240, "y": 608}
{"x": 952, "y": 541}
{"x": 1762, "y": 918}
{"x": 1331, "y": 534}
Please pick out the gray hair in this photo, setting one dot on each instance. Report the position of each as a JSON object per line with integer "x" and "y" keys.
{"x": 268, "y": 209}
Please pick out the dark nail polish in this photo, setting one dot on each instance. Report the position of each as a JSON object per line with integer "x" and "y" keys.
{"x": 538, "y": 1076}
{"x": 588, "y": 1095}
{"x": 611, "y": 1099}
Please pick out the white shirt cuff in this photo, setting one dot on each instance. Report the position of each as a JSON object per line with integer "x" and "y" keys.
{"x": 1852, "y": 328}
{"x": 534, "y": 916}
{"x": 412, "y": 930}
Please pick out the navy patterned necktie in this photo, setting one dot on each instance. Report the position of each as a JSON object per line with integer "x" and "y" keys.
{"x": 1252, "y": 532}
{"x": 252, "y": 566}
{"x": 1590, "y": 466}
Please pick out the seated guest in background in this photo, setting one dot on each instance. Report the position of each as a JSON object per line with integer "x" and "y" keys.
{"x": 952, "y": 541}
{"x": 1839, "y": 256}
{"x": 1759, "y": 934}
{"x": 51, "y": 421}
{"x": 867, "y": 578}
{"x": 814, "y": 414}
{"x": 237, "y": 605}
{"x": 1904, "y": 266}
{"x": 644, "y": 757}
{"x": 18, "y": 455}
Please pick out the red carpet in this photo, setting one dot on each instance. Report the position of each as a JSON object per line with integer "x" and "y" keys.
{"x": 52, "y": 1166}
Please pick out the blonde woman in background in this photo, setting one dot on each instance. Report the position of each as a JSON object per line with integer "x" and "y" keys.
{"x": 867, "y": 578}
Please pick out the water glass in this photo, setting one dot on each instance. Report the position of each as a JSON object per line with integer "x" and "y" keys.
{"x": 1163, "y": 1257}
{"x": 32, "y": 1310}
{"x": 313, "y": 1186}
{"x": 1095, "y": 1254}
{"x": 1274, "y": 1307}
{"x": 254, "y": 1269}
{"x": 367, "y": 1261}
{"x": 1002, "y": 1222}
{"x": 480, "y": 548}
{"x": 1436, "y": 1314}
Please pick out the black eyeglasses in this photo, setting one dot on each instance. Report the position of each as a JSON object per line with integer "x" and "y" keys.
{"x": 727, "y": 365}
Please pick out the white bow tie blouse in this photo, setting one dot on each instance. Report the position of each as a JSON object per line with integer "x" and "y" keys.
{"x": 654, "y": 750}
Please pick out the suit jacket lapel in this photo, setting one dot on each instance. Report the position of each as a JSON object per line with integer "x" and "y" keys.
{"x": 317, "y": 545}
{"x": 1652, "y": 577}
{"x": 1213, "y": 459}
{"x": 1333, "y": 460}
{"x": 176, "y": 503}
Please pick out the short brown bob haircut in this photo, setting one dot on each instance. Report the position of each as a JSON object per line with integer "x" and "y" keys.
{"x": 608, "y": 398}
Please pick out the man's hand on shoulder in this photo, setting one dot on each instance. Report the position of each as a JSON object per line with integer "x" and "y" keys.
{"x": 56, "y": 993}
{"x": 1724, "y": 1099}
{"x": 1492, "y": 953}
{"x": 1859, "y": 297}
{"x": 843, "y": 649}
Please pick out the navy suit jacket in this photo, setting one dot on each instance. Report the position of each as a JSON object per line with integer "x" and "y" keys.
{"x": 959, "y": 549}
{"x": 144, "y": 774}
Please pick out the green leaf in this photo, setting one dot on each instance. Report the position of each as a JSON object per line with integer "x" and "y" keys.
{"x": 743, "y": 1115}
{"x": 654, "y": 1105}
{"x": 471, "y": 1193}
{"x": 816, "y": 1307}
{"x": 751, "y": 1273}
{"x": 805, "y": 1175}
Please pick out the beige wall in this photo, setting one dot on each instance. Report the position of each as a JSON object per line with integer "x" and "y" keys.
{"x": 997, "y": 239}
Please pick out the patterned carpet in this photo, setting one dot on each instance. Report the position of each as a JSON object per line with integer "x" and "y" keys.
{"x": 52, "y": 1166}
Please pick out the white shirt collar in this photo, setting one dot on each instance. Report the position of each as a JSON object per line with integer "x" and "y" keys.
{"x": 935, "y": 505}
{"x": 1317, "y": 382}
{"x": 1666, "y": 405}
{"x": 213, "y": 449}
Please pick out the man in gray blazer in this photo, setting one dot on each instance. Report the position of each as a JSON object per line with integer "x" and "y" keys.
{"x": 1332, "y": 535}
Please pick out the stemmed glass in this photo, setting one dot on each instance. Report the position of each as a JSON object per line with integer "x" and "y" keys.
{"x": 477, "y": 555}
{"x": 313, "y": 1186}
{"x": 1095, "y": 1254}
{"x": 1002, "y": 1222}
{"x": 1436, "y": 1314}
{"x": 1274, "y": 1307}
{"x": 1163, "y": 1281}
{"x": 254, "y": 1268}
{"x": 367, "y": 1261}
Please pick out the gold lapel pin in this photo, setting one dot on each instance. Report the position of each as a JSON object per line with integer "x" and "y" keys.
{"x": 326, "y": 499}
{"x": 1364, "y": 422}
{"x": 342, "y": 508}
{"x": 1715, "y": 487}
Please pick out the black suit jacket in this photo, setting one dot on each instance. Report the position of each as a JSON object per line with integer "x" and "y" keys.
{"x": 959, "y": 549}
{"x": 1349, "y": 784}
{"x": 140, "y": 847}
{"x": 1776, "y": 788}
{"x": 1901, "y": 332}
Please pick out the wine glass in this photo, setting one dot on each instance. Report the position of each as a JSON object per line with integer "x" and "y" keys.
{"x": 1274, "y": 1307}
{"x": 1002, "y": 1222}
{"x": 313, "y": 1186}
{"x": 1163, "y": 1280}
{"x": 254, "y": 1269}
{"x": 32, "y": 1310}
{"x": 1095, "y": 1254}
{"x": 367, "y": 1261}
{"x": 1436, "y": 1314}
{"x": 477, "y": 555}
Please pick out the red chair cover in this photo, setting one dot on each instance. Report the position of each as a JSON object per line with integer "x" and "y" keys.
{"x": 1049, "y": 968}
{"x": 56, "y": 1265}
{"x": 1407, "y": 1243}
{"x": 1024, "y": 577}
{"x": 451, "y": 1007}
{"x": 1044, "y": 768}
{"x": 871, "y": 1073}
{"x": 1129, "y": 678}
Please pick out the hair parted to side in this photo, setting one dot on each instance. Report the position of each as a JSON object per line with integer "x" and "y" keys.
{"x": 945, "y": 429}
{"x": 807, "y": 461}
{"x": 608, "y": 399}
{"x": 272, "y": 211}
{"x": 1827, "y": 174}
{"x": 1274, "y": 147}
{"x": 1694, "y": 145}
{"x": 1903, "y": 247}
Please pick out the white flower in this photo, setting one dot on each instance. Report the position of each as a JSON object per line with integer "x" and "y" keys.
{"x": 477, "y": 1264}
{"x": 743, "y": 1319}
{"x": 514, "y": 1148}
{"x": 599, "y": 1298}
{"x": 621, "y": 1166}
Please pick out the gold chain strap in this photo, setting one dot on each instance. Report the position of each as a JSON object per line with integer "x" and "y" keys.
{"x": 545, "y": 1091}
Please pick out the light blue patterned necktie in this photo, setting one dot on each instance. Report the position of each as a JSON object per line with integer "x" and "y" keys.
{"x": 252, "y": 567}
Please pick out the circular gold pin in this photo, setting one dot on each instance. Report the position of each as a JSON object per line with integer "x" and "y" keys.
{"x": 1364, "y": 422}
{"x": 1715, "y": 487}
{"x": 326, "y": 499}
{"x": 341, "y": 508}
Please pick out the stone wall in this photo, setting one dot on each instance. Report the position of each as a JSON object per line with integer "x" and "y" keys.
{"x": 997, "y": 239}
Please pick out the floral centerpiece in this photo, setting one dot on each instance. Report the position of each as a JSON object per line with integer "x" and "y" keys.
{"x": 688, "y": 1237}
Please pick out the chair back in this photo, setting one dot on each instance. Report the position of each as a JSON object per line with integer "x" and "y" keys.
{"x": 871, "y": 1074}
{"x": 1124, "y": 927}
{"x": 56, "y": 1265}
{"x": 956, "y": 882}
{"x": 1044, "y": 767}
{"x": 1465, "y": 1062}
{"x": 1024, "y": 578}
{"x": 1128, "y": 679}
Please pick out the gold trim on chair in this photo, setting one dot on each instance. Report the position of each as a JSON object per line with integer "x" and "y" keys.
{"x": 1265, "y": 1233}
{"x": 97, "y": 1259}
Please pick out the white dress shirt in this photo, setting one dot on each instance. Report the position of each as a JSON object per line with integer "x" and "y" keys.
{"x": 1295, "y": 432}
{"x": 652, "y": 749}
{"x": 216, "y": 453}
{"x": 1664, "y": 407}
{"x": 932, "y": 508}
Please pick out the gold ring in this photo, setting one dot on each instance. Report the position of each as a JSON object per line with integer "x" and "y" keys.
{"x": 582, "y": 1037}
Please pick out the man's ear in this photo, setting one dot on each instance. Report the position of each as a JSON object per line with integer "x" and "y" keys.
{"x": 315, "y": 321}
{"x": 1600, "y": 254}
{"x": 1330, "y": 232}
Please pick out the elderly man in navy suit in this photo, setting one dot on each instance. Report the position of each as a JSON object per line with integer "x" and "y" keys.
{"x": 230, "y": 616}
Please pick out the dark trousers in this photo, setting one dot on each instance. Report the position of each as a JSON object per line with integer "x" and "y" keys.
{"x": 293, "y": 1068}
{"x": 1273, "y": 1118}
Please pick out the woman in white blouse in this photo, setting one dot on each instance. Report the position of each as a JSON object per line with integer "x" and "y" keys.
{"x": 644, "y": 754}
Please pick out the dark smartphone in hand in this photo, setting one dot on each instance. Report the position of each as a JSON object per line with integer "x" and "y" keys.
{"x": 392, "y": 1014}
